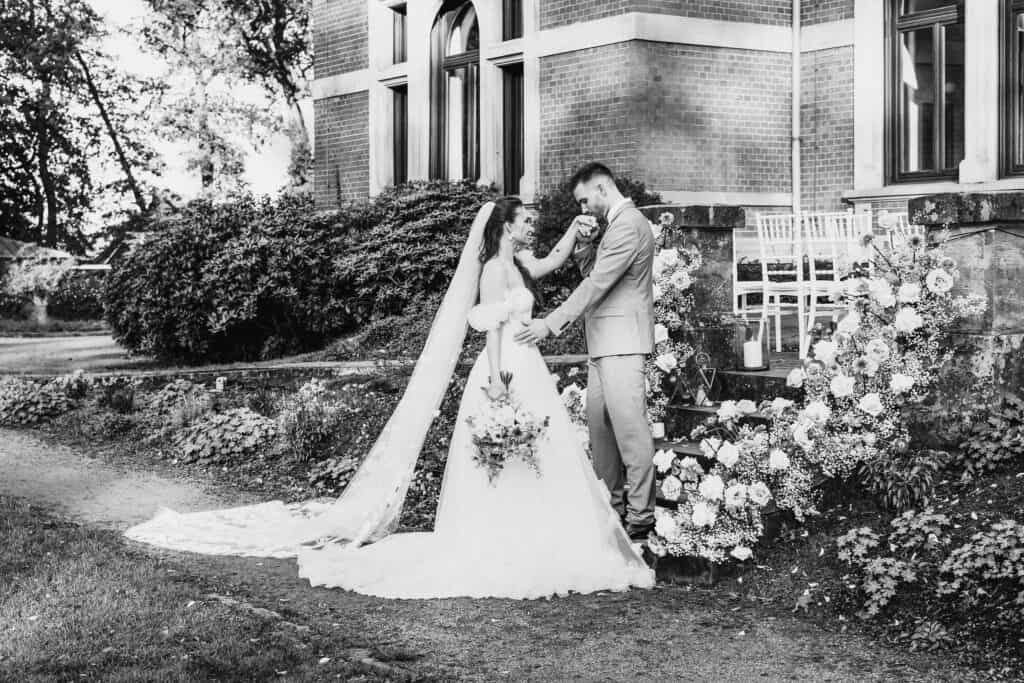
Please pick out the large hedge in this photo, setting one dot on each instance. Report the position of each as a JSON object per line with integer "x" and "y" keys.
{"x": 256, "y": 279}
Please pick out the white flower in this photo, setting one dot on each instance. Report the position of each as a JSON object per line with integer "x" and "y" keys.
{"x": 657, "y": 290}
{"x": 817, "y": 412}
{"x": 667, "y": 362}
{"x": 901, "y": 383}
{"x": 690, "y": 469}
{"x": 727, "y": 411}
{"x": 778, "y": 460}
{"x": 877, "y": 350}
{"x": 660, "y": 333}
{"x": 741, "y": 553}
{"x": 870, "y": 438}
{"x": 759, "y": 493}
{"x": 709, "y": 446}
{"x": 671, "y": 487}
{"x": 681, "y": 279}
{"x": 746, "y": 407}
{"x": 881, "y": 291}
{"x": 712, "y": 487}
{"x": 505, "y": 416}
{"x": 796, "y": 378}
{"x": 939, "y": 281}
{"x": 704, "y": 514}
{"x": 801, "y": 436}
{"x": 871, "y": 404}
{"x": 780, "y": 405}
{"x": 841, "y": 386}
{"x": 663, "y": 460}
{"x": 728, "y": 454}
{"x": 571, "y": 391}
{"x": 825, "y": 351}
{"x": 908, "y": 320}
{"x": 850, "y": 323}
{"x": 668, "y": 257}
{"x": 736, "y": 496}
{"x": 666, "y": 527}
{"x": 909, "y": 293}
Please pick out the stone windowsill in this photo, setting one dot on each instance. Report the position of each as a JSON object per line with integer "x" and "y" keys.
{"x": 909, "y": 190}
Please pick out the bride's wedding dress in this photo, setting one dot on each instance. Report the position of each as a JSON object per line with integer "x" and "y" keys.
{"x": 525, "y": 536}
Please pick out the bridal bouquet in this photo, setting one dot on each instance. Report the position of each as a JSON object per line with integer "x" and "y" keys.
{"x": 504, "y": 429}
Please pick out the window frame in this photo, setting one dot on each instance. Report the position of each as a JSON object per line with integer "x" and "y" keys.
{"x": 449, "y": 16}
{"x": 896, "y": 25}
{"x": 399, "y": 35}
{"x": 1011, "y": 130}
{"x": 513, "y": 141}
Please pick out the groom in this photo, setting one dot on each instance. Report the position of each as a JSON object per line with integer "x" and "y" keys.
{"x": 616, "y": 299}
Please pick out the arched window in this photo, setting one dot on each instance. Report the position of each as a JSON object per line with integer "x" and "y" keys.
{"x": 455, "y": 93}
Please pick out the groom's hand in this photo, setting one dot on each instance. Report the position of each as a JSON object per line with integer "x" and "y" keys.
{"x": 586, "y": 226}
{"x": 533, "y": 333}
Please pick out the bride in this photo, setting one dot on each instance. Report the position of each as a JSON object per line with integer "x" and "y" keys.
{"x": 524, "y": 536}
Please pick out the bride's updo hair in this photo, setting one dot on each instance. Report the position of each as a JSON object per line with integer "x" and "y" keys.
{"x": 504, "y": 211}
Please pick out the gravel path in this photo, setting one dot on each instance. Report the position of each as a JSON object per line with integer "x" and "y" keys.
{"x": 670, "y": 633}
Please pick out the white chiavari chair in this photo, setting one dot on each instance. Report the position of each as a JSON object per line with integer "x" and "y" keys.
{"x": 782, "y": 274}
{"x": 900, "y": 228}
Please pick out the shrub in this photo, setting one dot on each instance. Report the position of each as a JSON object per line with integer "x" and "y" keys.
{"x": 987, "y": 572}
{"x": 904, "y": 480}
{"x": 175, "y": 394}
{"x": 78, "y": 296}
{"x": 230, "y": 437}
{"x": 24, "y": 402}
{"x": 310, "y": 424}
{"x": 117, "y": 394}
{"x": 996, "y": 438}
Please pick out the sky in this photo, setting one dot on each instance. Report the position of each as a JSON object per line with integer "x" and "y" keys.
{"x": 265, "y": 168}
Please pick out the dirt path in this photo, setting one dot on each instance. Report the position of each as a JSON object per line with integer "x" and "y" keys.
{"x": 670, "y": 633}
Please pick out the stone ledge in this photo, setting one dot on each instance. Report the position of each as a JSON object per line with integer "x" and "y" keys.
{"x": 967, "y": 208}
{"x": 722, "y": 217}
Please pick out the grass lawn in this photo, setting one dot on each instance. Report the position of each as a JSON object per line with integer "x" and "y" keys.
{"x": 77, "y": 603}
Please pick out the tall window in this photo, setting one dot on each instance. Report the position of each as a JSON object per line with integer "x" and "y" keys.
{"x": 1011, "y": 128}
{"x": 925, "y": 97}
{"x": 511, "y": 19}
{"x": 399, "y": 40}
{"x": 400, "y": 139}
{"x": 455, "y": 93}
{"x": 512, "y": 127}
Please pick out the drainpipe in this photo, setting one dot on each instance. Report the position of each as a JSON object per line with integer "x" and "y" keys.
{"x": 796, "y": 107}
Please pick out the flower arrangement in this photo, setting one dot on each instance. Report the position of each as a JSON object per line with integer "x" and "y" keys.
{"x": 575, "y": 400}
{"x": 505, "y": 429}
{"x": 674, "y": 270}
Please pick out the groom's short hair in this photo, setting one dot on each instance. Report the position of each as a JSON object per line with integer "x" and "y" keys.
{"x": 588, "y": 171}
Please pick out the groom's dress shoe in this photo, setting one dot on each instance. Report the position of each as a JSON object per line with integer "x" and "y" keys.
{"x": 639, "y": 532}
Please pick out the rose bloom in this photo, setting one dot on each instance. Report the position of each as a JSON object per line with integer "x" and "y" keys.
{"x": 728, "y": 411}
{"x": 667, "y": 362}
{"x": 712, "y": 487}
{"x": 825, "y": 351}
{"x": 881, "y": 291}
{"x": 710, "y": 446}
{"x": 746, "y": 407}
{"x": 780, "y": 405}
{"x": 728, "y": 454}
{"x": 908, "y": 320}
{"x": 841, "y": 386}
{"x": 871, "y": 404}
{"x": 671, "y": 488}
{"x": 901, "y": 383}
{"x": 909, "y": 293}
{"x": 939, "y": 281}
{"x": 736, "y": 496}
{"x": 877, "y": 350}
{"x": 666, "y": 527}
{"x": 690, "y": 469}
{"x": 759, "y": 494}
{"x": 704, "y": 514}
{"x": 663, "y": 460}
{"x": 660, "y": 333}
{"x": 681, "y": 279}
{"x": 741, "y": 553}
{"x": 668, "y": 257}
{"x": 778, "y": 460}
{"x": 801, "y": 437}
{"x": 795, "y": 378}
{"x": 817, "y": 412}
{"x": 850, "y": 323}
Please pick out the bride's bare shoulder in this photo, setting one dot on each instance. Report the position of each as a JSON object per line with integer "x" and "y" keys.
{"x": 492, "y": 278}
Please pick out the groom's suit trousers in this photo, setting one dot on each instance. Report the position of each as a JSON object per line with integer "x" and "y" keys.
{"x": 620, "y": 438}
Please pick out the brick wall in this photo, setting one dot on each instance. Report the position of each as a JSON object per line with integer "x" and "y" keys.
{"x": 714, "y": 119}
{"x": 820, "y": 11}
{"x": 560, "y": 12}
{"x": 826, "y": 117}
{"x": 588, "y": 111}
{"x": 339, "y": 36}
{"x": 342, "y": 164}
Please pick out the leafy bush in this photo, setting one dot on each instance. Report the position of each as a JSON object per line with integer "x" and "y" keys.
{"x": 175, "y": 394}
{"x": 987, "y": 572}
{"x": 117, "y": 394}
{"x": 904, "y": 480}
{"x": 24, "y": 402}
{"x": 310, "y": 423}
{"x": 229, "y": 437}
{"x": 995, "y": 439}
{"x": 78, "y": 296}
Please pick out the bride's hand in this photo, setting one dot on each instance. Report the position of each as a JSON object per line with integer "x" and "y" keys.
{"x": 495, "y": 390}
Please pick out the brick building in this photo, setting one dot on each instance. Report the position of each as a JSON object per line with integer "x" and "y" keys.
{"x": 694, "y": 97}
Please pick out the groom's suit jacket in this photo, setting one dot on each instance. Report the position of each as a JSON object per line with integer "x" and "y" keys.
{"x": 616, "y": 296}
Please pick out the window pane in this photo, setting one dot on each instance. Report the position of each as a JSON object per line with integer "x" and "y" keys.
{"x": 954, "y": 96}
{"x": 512, "y": 128}
{"x": 917, "y": 100}
{"x": 911, "y": 6}
{"x": 463, "y": 123}
{"x": 1016, "y": 110}
{"x": 401, "y": 134}
{"x": 512, "y": 19}
{"x": 465, "y": 35}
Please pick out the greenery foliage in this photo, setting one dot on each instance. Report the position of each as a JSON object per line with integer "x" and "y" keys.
{"x": 24, "y": 402}
{"x": 228, "y": 437}
{"x": 995, "y": 439}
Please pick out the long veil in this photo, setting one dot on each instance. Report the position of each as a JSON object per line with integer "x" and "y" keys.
{"x": 371, "y": 505}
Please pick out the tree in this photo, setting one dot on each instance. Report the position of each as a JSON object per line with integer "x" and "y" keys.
{"x": 38, "y": 279}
